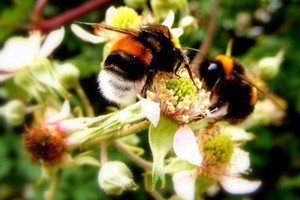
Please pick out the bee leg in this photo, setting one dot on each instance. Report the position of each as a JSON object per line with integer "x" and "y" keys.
{"x": 187, "y": 66}
{"x": 214, "y": 107}
{"x": 148, "y": 83}
{"x": 218, "y": 110}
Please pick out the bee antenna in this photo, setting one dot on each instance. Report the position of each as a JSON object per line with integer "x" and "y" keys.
{"x": 85, "y": 23}
{"x": 190, "y": 49}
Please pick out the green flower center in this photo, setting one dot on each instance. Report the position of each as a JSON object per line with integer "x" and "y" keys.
{"x": 182, "y": 87}
{"x": 219, "y": 149}
{"x": 125, "y": 17}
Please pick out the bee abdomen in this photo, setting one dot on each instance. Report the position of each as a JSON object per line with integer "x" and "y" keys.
{"x": 117, "y": 89}
{"x": 125, "y": 65}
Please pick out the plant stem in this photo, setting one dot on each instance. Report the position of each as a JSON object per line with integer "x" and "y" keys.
{"x": 128, "y": 130}
{"x": 85, "y": 101}
{"x": 103, "y": 153}
{"x": 208, "y": 38}
{"x": 69, "y": 16}
{"x": 147, "y": 166}
{"x": 148, "y": 187}
{"x": 50, "y": 193}
{"x": 38, "y": 10}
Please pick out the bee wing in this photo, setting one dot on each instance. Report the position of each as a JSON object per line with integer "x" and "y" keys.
{"x": 157, "y": 28}
{"x": 260, "y": 90}
{"x": 127, "y": 31}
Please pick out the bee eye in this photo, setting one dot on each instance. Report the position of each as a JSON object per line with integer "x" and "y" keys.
{"x": 212, "y": 66}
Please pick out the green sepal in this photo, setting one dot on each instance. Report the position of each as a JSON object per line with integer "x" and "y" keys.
{"x": 176, "y": 165}
{"x": 161, "y": 141}
{"x": 45, "y": 73}
{"x": 202, "y": 184}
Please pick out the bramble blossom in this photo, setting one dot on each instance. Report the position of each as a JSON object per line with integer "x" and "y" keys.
{"x": 223, "y": 161}
{"x": 20, "y": 52}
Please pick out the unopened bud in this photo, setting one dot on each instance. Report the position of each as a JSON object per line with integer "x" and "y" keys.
{"x": 115, "y": 177}
{"x": 14, "y": 112}
{"x": 68, "y": 75}
{"x": 269, "y": 66}
{"x": 189, "y": 24}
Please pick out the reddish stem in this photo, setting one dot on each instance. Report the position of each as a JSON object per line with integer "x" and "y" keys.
{"x": 69, "y": 16}
{"x": 38, "y": 10}
{"x": 205, "y": 44}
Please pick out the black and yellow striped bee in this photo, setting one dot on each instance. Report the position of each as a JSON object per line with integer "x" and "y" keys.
{"x": 233, "y": 95}
{"x": 137, "y": 57}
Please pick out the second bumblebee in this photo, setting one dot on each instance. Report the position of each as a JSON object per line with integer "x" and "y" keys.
{"x": 233, "y": 95}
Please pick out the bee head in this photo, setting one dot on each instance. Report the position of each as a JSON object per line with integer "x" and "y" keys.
{"x": 211, "y": 73}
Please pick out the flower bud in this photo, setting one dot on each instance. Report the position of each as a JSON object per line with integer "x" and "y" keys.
{"x": 269, "y": 66}
{"x": 24, "y": 80}
{"x": 115, "y": 177}
{"x": 68, "y": 75}
{"x": 189, "y": 24}
{"x": 14, "y": 112}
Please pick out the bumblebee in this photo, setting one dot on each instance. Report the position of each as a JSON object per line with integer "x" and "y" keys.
{"x": 233, "y": 95}
{"x": 135, "y": 58}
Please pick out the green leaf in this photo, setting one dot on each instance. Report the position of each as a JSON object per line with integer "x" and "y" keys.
{"x": 10, "y": 16}
{"x": 161, "y": 140}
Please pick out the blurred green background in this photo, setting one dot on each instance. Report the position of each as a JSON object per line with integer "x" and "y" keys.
{"x": 260, "y": 28}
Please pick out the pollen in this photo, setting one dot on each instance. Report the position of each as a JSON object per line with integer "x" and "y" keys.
{"x": 218, "y": 150}
{"x": 183, "y": 87}
{"x": 44, "y": 144}
{"x": 179, "y": 98}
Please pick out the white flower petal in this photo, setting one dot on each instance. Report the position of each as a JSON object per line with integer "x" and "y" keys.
{"x": 70, "y": 126}
{"x": 169, "y": 19}
{"x": 177, "y": 32}
{"x": 151, "y": 110}
{"x": 240, "y": 162}
{"x": 184, "y": 184}
{"x": 86, "y": 36}
{"x": 237, "y": 133}
{"x": 185, "y": 145}
{"x": 109, "y": 13}
{"x": 51, "y": 42}
{"x": 63, "y": 114}
{"x": 5, "y": 76}
{"x": 213, "y": 190}
{"x": 235, "y": 185}
{"x": 19, "y": 52}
